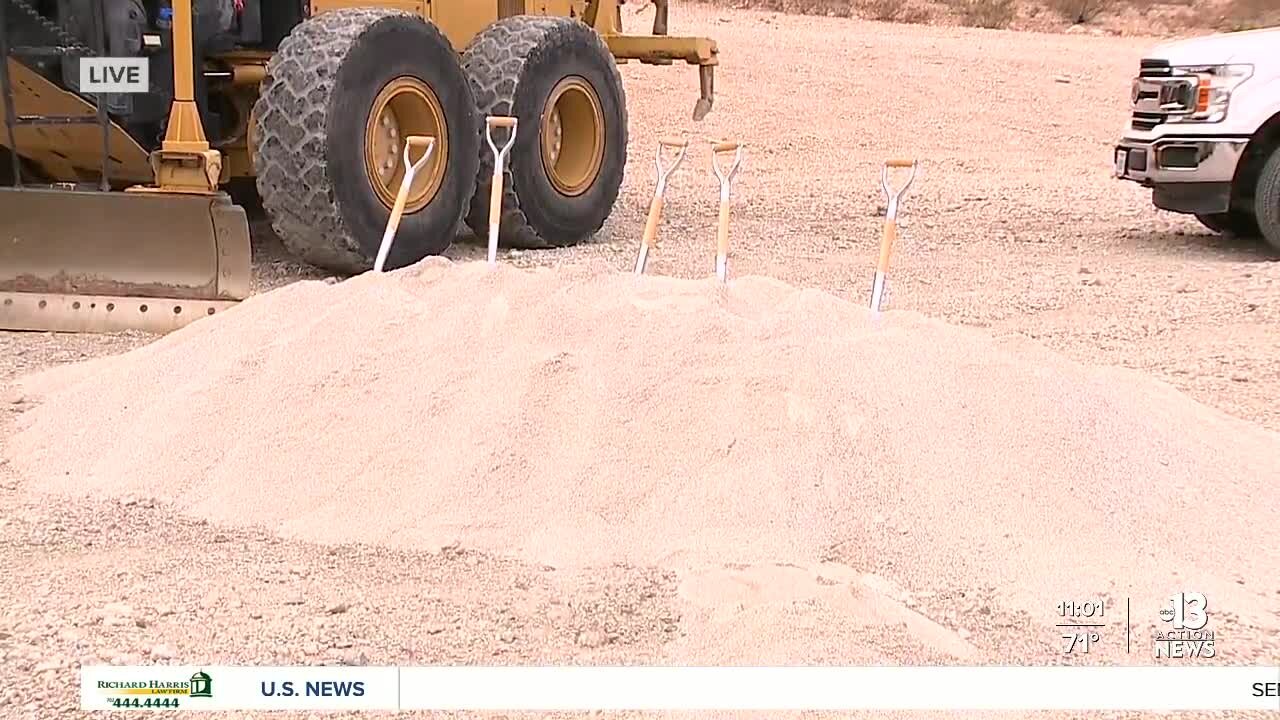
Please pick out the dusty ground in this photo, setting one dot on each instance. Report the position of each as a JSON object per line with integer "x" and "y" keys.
{"x": 1014, "y": 225}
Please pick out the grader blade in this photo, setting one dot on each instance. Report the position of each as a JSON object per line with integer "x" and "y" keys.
{"x": 92, "y": 261}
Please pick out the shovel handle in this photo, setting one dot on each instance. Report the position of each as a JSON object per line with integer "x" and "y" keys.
{"x": 500, "y": 121}
{"x": 886, "y": 244}
{"x": 681, "y": 145}
{"x": 651, "y": 223}
{"x": 722, "y": 231}
{"x": 417, "y": 141}
{"x": 899, "y": 163}
{"x": 717, "y": 149}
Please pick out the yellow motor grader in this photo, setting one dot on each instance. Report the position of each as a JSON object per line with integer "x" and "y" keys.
{"x": 116, "y": 207}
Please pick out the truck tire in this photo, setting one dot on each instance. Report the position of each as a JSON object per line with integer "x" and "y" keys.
{"x": 339, "y": 96}
{"x": 1266, "y": 200}
{"x": 558, "y": 79}
{"x": 1235, "y": 222}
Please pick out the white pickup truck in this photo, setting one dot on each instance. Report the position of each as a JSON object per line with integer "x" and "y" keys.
{"x": 1205, "y": 131}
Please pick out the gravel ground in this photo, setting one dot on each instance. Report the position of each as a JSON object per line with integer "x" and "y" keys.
{"x": 1014, "y": 225}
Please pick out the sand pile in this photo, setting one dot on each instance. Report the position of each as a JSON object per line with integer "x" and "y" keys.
{"x": 592, "y": 417}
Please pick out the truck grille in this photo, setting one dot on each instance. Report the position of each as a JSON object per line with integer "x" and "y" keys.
{"x": 1157, "y": 94}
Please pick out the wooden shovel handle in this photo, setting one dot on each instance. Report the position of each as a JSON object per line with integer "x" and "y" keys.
{"x": 651, "y": 224}
{"x": 886, "y": 245}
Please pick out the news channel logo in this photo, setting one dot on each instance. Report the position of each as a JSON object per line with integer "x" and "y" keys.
{"x": 156, "y": 691}
{"x": 1183, "y": 633}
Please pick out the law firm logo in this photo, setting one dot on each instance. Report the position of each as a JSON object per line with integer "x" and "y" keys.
{"x": 1182, "y": 633}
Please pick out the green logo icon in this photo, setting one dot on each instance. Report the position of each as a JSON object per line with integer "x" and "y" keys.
{"x": 201, "y": 685}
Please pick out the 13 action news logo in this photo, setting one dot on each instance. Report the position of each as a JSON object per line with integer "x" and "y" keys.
{"x": 1186, "y": 616}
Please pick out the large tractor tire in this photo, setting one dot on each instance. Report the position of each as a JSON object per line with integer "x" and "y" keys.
{"x": 339, "y": 97}
{"x": 563, "y": 173}
{"x": 1266, "y": 200}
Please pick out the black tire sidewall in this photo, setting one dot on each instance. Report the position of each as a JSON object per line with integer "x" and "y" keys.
{"x": 559, "y": 218}
{"x": 1266, "y": 200}
{"x": 393, "y": 47}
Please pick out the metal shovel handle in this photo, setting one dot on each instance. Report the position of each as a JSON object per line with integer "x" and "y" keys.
{"x": 893, "y": 198}
{"x": 719, "y": 148}
{"x": 411, "y": 169}
{"x": 495, "y": 191}
{"x": 649, "y": 239}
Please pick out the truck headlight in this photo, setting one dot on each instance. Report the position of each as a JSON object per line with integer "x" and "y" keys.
{"x": 1205, "y": 94}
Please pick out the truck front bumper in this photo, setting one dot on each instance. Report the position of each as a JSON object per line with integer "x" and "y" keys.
{"x": 1187, "y": 175}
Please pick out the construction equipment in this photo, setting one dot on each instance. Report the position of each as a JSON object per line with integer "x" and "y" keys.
{"x": 650, "y": 237}
{"x": 893, "y": 198}
{"x": 726, "y": 179}
{"x": 411, "y": 169}
{"x": 305, "y": 103}
{"x": 495, "y": 191}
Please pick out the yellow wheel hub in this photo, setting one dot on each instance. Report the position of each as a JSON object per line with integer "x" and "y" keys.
{"x": 572, "y": 136}
{"x": 406, "y": 106}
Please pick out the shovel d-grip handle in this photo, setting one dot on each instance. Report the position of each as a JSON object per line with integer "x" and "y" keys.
{"x": 893, "y": 199}
{"x": 719, "y": 148}
{"x": 649, "y": 239}
{"x": 495, "y": 190}
{"x": 410, "y": 170}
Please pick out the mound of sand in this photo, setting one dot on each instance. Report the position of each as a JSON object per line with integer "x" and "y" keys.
{"x": 589, "y": 417}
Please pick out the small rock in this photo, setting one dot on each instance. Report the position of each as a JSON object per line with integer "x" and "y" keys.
{"x": 45, "y": 666}
{"x": 1084, "y": 270}
{"x": 342, "y": 644}
{"x": 298, "y": 570}
{"x": 117, "y": 615}
{"x": 162, "y": 652}
{"x": 70, "y": 634}
{"x": 338, "y": 609}
{"x": 311, "y": 648}
{"x": 590, "y": 638}
{"x": 434, "y": 629}
{"x": 1095, "y": 282}
{"x": 515, "y": 253}
{"x": 964, "y": 634}
{"x": 1237, "y": 377}
{"x": 1184, "y": 288}
{"x": 255, "y": 615}
{"x": 507, "y": 636}
{"x": 295, "y": 600}
{"x": 1062, "y": 80}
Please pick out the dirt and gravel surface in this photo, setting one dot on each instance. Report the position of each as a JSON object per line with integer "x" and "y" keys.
{"x": 1014, "y": 227}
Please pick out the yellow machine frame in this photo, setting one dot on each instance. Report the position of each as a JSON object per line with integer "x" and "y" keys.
{"x": 185, "y": 176}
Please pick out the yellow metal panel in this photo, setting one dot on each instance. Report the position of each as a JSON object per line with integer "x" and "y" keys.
{"x": 649, "y": 48}
{"x": 69, "y": 152}
{"x": 460, "y": 21}
{"x": 559, "y": 8}
{"x": 319, "y": 6}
